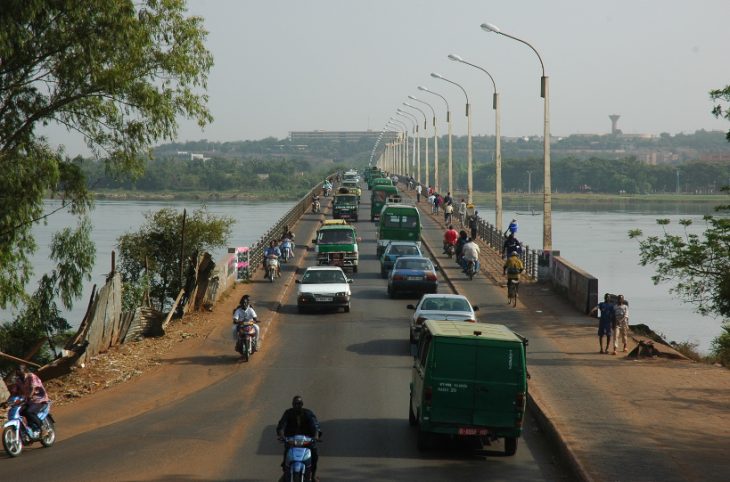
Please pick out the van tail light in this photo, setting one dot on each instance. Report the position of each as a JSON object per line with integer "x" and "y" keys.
{"x": 520, "y": 401}
{"x": 430, "y": 276}
{"x": 427, "y": 395}
{"x": 420, "y": 320}
{"x": 471, "y": 321}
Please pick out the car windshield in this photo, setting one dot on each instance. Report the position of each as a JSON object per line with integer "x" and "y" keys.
{"x": 415, "y": 264}
{"x": 400, "y": 221}
{"x": 346, "y": 200}
{"x": 403, "y": 250}
{"x": 445, "y": 304}
{"x": 338, "y": 236}
{"x": 323, "y": 276}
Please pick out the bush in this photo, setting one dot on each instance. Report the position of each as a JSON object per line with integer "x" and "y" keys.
{"x": 721, "y": 346}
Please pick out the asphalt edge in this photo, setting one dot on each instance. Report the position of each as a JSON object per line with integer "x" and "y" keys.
{"x": 534, "y": 404}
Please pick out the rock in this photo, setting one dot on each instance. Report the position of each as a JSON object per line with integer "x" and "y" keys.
{"x": 4, "y": 392}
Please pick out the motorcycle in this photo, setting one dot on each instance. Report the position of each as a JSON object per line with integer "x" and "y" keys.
{"x": 298, "y": 462}
{"x": 327, "y": 191}
{"x": 450, "y": 250}
{"x": 315, "y": 206}
{"x": 286, "y": 251}
{"x": 272, "y": 268}
{"x": 471, "y": 268}
{"x": 245, "y": 341}
{"x": 17, "y": 433}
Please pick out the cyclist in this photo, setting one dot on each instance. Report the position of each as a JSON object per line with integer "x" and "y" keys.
{"x": 513, "y": 267}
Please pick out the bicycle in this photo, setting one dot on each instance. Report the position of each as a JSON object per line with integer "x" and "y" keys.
{"x": 513, "y": 286}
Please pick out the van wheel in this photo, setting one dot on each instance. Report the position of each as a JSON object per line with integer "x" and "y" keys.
{"x": 354, "y": 268}
{"x": 412, "y": 420}
{"x": 347, "y": 308}
{"x": 510, "y": 446}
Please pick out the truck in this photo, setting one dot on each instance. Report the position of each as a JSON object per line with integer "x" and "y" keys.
{"x": 336, "y": 245}
{"x": 345, "y": 206}
{"x": 468, "y": 380}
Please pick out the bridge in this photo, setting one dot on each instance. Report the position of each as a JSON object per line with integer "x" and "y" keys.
{"x": 204, "y": 415}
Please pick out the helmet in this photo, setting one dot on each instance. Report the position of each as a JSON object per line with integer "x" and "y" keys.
{"x": 297, "y": 402}
{"x": 245, "y": 301}
{"x": 513, "y": 253}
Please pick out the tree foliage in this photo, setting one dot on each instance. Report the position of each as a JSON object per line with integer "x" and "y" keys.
{"x": 720, "y": 109}
{"x": 119, "y": 72}
{"x": 699, "y": 264}
{"x": 153, "y": 253}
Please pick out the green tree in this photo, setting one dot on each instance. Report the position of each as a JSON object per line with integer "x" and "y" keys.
{"x": 698, "y": 263}
{"x": 119, "y": 72}
{"x": 720, "y": 110}
{"x": 157, "y": 246}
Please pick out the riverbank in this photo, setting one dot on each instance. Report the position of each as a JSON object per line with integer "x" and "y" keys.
{"x": 224, "y": 196}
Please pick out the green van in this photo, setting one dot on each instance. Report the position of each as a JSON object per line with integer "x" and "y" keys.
{"x": 398, "y": 222}
{"x": 336, "y": 245}
{"x": 380, "y": 177}
{"x": 381, "y": 195}
{"x": 468, "y": 380}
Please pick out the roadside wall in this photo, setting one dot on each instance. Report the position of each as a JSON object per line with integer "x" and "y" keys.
{"x": 574, "y": 284}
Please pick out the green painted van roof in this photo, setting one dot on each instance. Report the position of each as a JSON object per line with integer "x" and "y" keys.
{"x": 401, "y": 208}
{"x": 337, "y": 227}
{"x": 461, "y": 329}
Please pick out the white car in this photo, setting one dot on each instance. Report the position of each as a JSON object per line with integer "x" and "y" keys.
{"x": 323, "y": 287}
{"x": 440, "y": 307}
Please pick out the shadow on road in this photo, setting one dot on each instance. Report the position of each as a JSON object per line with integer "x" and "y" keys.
{"x": 396, "y": 347}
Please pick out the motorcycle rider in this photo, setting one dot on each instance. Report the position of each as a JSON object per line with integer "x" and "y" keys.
{"x": 36, "y": 399}
{"x": 315, "y": 203}
{"x": 287, "y": 247}
{"x": 463, "y": 237}
{"x": 272, "y": 251}
{"x": 299, "y": 421}
{"x": 450, "y": 237}
{"x": 244, "y": 313}
{"x": 470, "y": 252}
{"x": 326, "y": 187}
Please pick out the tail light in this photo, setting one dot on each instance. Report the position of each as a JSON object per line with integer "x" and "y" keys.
{"x": 427, "y": 395}
{"x": 420, "y": 320}
{"x": 520, "y": 401}
{"x": 398, "y": 277}
{"x": 471, "y": 321}
{"x": 430, "y": 276}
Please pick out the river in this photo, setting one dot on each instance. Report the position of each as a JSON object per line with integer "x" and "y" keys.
{"x": 593, "y": 237}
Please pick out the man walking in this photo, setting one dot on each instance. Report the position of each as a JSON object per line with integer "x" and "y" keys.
{"x": 621, "y": 328}
{"x": 418, "y": 193}
{"x": 605, "y": 322}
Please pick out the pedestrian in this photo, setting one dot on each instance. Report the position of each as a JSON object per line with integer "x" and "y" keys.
{"x": 462, "y": 212}
{"x": 605, "y": 321}
{"x": 448, "y": 199}
{"x": 512, "y": 228}
{"x": 474, "y": 224}
{"x": 418, "y": 192}
{"x": 621, "y": 312}
{"x": 431, "y": 201}
{"x": 448, "y": 211}
{"x": 437, "y": 202}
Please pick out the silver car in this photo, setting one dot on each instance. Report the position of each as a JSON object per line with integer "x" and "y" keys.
{"x": 440, "y": 307}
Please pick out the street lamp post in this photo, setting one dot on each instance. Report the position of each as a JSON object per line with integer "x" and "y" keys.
{"x": 448, "y": 122}
{"x": 413, "y": 150}
{"x": 425, "y": 131}
{"x": 404, "y": 147}
{"x": 418, "y": 139}
{"x": 469, "y": 184}
{"x": 529, "y": 182}
{"x": 497, "y": 146}
{"x": 547, "y": 214}
{"x": 435, "y": 144}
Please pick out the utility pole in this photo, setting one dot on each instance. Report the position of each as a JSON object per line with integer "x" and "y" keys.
{"x": 529, "y": 182}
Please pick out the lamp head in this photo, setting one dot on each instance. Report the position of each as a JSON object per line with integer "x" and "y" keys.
{"x": 420, "y": 87}
{"x": 455, "y": 58}
{"x": 407, "y": 104}
{"x": 436, "y": 76}
{"x": 412, "y": 98}
{"x": 488, "y": 27}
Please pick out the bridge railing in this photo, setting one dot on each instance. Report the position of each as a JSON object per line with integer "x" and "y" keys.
{"x": 495, "y": 239}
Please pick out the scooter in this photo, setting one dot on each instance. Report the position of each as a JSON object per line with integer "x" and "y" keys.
{"x": 315, "y": 207}
{"x": 246, "y": 336}
{"x": 17, "y": 433}
{"x": 286, "y": 251}
{"x": 298, "y": 462}
{"x": 450, "y": 250}
{"x": 471, "y": 269}
{"x": 272, "y": 268}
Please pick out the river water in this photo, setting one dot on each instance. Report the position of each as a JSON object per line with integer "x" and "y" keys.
{"x": 593, "y": 237}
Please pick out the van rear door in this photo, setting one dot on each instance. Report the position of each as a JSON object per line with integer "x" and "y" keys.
{"x": 498, "y": 381}
{"x": 452, "y": 381}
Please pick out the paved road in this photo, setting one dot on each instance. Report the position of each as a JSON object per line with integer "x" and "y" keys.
{"x": 353, "y": 369}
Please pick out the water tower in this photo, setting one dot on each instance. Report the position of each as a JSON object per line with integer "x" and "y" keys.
{"x": 614, "y": 121}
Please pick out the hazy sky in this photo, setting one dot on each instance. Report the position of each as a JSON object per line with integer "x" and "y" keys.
{"x": 347, "y": 65}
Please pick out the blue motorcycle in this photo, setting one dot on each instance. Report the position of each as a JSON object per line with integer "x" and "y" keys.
{"x": 17, "y": 433}
{"x": 298, "y": 463}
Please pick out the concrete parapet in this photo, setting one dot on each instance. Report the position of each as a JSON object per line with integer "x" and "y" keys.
{"x": 577, "y": 286}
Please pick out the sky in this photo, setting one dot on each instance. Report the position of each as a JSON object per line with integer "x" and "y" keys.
{"x": 284, "y": 65}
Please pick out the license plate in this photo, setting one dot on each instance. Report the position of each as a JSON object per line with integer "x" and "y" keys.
{"x": 323, "y": 298}
{"x": 415, "y": 277}
{"x": 472, "y": 431}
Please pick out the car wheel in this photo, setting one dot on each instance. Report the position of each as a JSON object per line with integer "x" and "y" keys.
{"x": 383, "y": 273}
{"x": 510, "y": 446}
{"x": 412, "y": 420}
{"x": 347, "y": 308}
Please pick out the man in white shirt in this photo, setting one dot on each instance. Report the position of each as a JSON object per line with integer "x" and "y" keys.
{"x": 470, "y": 252}
{"x": 418, "y": 193}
